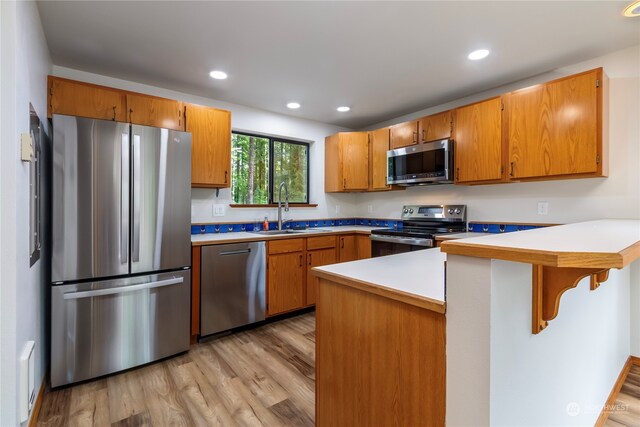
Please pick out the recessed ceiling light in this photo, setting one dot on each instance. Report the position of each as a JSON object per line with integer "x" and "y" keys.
{"x": 343, "y": 109}
{"x": 632, "y": 10}
{"x": 478, "y": 54}
{"x": 218, "y": 75}
{"x": 293, "y": 105}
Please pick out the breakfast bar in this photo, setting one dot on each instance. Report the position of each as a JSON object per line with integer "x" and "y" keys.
{"x": 519, "y": 338}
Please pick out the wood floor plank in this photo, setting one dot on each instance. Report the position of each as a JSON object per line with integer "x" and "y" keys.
{"x": 126, "y": 397}
{"x": 143, "y": 419}
{"x": 164, "y": 403}
{"x": 55, "y": 408}
{"x": 290, "y": 415}
{"x": 259, "y": 382}
{"x": 89, "y": 407}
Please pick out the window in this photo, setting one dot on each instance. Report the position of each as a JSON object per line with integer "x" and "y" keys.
{"x": 259, "y": 164}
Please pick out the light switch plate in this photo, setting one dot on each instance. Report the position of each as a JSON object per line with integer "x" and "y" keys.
{"x": 218, "y": 210}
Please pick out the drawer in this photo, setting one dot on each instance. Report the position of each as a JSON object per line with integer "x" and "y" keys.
{"x": 285, "y": 245}
{"x": 321, "y": 242}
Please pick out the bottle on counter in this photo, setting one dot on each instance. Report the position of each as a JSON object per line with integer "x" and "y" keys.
{"x": 265, "y": 224}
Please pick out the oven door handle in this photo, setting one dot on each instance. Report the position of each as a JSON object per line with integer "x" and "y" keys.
{"x": 402, "y": 240}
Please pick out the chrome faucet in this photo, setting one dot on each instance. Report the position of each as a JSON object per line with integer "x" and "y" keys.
{"x": 286, "y": 202}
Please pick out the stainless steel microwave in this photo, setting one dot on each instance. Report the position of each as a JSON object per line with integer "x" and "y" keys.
{"x": 429, "y": 163}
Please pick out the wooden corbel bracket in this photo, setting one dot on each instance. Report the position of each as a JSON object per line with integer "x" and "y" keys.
{"x": 549, "y": 283}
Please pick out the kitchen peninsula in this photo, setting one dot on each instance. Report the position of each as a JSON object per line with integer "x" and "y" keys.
{"x": 519, "y": 339}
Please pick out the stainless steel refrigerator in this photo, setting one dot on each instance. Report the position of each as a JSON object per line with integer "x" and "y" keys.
{"x": 121, "y": 249}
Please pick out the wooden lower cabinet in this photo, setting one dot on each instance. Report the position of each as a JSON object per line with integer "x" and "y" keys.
{"x": 363, "y": 245}
{"x": 347, "y": 248}
{"x": 379, "y": 361}
{"x": 285, "y": 275}
{"x": 317, "y": 258}
{"x": 195, "y": 293}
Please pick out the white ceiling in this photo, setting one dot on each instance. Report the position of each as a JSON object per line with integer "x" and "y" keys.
{"x": 383, "y": 59}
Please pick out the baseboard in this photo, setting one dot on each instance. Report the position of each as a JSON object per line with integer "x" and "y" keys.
{"x": 37, "y": 404}
{"x": 611, "y": 401}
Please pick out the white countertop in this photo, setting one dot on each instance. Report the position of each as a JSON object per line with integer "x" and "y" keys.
{"x": 217, "y": 238}
{"x": 606, "y": 243}
{"x": 420, "y": 273}
{"x": 606, "y": 235}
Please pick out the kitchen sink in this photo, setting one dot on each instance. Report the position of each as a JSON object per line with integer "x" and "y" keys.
{"x": 276, "y": 232}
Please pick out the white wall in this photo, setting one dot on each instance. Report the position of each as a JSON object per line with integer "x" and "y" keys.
{"x": 499, "y": 374}
{"x": 259, "y": 121}
{"x": 617, "y": 196}
{"x": 25, "y": 65}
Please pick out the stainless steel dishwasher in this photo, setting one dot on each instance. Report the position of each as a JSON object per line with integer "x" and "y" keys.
{"x": 233, "y": 286}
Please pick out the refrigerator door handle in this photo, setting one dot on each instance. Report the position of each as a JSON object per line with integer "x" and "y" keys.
{"x": 135, "y": 251}
{"x": 123, "y": 289}
{"x": 124, "y": 200}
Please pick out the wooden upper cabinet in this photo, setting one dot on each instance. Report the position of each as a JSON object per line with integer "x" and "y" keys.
{"x": 404, "y": 134}
{"x": 555, "y": 129}
{"x": 478, "y": 142}
{"x": 86, "y": 100}
{"x": 153, "y": 111}
{"x": 436, "y": 127}
{"x": 379, "y": 145}
{"x": 211, "y": 145}
{"x": 347, "y": 162}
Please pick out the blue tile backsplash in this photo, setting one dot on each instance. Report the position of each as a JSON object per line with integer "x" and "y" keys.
{"x": 249, "y": 226}
{"x": 476, "y": 227}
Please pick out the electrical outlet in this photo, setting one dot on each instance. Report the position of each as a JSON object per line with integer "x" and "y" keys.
{"x": 218, "y": 210}
{"x": 543, "y": 208}
{"x": 369, "y": 208}
{"x": 337, "y": 209}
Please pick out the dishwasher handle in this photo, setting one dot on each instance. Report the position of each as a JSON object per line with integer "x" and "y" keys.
{"x": 243, "y": 251}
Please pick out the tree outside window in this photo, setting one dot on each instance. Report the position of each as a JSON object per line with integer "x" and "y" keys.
{"x": 260, "y": 164}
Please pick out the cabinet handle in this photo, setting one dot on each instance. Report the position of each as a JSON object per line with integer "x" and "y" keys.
{"x": 423, "y": 138}
{"x": 344, "y": 183}
{"x": 415, "y": 137}
{"x": 511, "y": 168}
{"x": 457, "y": 174}
{"x": 309, "y": 259}
{"x": 300, "y": 260}
{"x": 130, "y": 115}
{"x": 225, "y": 176}
{"x": 342, "y": 243}
{"x": 114, "y": 113}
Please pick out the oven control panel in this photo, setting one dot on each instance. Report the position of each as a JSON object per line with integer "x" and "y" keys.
{"x": 438, "y": 212}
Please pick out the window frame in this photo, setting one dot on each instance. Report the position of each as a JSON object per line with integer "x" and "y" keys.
{"x": 271, "y": 184}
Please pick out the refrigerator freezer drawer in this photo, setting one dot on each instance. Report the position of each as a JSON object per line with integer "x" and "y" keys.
{"x": 107, "y": 326}
{"x": 233, "y": 286}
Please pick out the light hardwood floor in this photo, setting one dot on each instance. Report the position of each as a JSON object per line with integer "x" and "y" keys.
{"x": 260, "y": 377}
{"x": 627, "y": 408}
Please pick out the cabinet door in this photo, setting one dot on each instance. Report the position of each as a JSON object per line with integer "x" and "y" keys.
{"x": 553, "y": 127}
{"x": 354, "y": 149}
{"x": 404, "y": 134}
{"x": 347, "y": 248}
{"x": 86, "y": 100}
{"x": 286, "y": 280}
{"x": 315, "y": 259}
{"x": 379, "y": 140}
{"x": 333, "y": 181}
{"x": 211, "y": 145}
{"x": 435, "y": 127}
{"x": 478, "y": 142}
{"x": 363, "y": 244}
{"x": 153, "y": 111}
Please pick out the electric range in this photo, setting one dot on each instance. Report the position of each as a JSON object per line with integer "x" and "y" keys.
{"x": 420, "y": 224}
